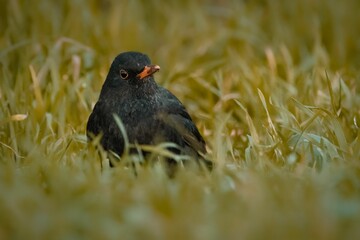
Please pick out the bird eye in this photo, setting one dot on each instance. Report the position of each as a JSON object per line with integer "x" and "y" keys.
{"x": 123, "y": 74}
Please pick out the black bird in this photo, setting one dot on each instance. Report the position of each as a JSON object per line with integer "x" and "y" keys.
{"x": 150, "y": 113}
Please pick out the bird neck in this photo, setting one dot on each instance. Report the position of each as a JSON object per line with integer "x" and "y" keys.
{"x": 145, "y": 88}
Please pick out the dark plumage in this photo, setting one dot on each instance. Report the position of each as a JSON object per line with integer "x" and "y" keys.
{"x": 150, "y": 113}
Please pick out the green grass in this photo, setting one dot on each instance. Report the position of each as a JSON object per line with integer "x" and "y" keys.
{"x": 272, "y": 85}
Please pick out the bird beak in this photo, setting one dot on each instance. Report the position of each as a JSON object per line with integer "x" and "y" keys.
{"x": 148, "y": 70}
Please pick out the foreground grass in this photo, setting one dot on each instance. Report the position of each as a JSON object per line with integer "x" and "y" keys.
{"x": 273, "y": 86}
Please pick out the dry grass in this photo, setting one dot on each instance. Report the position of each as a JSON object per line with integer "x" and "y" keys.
{"x": 272, "y": 85}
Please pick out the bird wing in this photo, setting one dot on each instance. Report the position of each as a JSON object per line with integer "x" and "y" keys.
{"x": 95, "y": 122}
{"x": 175, "y": 115}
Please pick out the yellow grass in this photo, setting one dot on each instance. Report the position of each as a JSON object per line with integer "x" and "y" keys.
{"x": 272, "y": 85}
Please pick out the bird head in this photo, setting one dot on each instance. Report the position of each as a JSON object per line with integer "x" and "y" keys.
{"x": 131, "y": 68}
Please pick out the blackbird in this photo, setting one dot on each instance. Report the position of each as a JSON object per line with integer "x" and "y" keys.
{"x": 149, "y": 113}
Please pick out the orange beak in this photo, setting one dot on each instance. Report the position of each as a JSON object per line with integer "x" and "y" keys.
{"x": 148, "y": 70}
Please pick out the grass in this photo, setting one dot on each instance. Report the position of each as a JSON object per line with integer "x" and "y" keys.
{"x": 272, "y": 85}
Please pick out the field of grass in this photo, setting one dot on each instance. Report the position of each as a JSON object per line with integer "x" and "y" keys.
{"x": 273, "y": 85}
